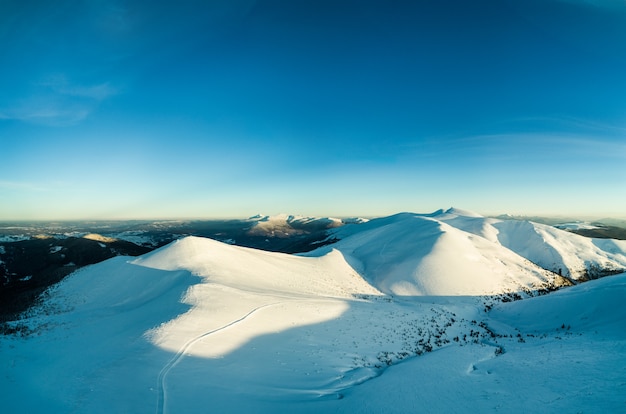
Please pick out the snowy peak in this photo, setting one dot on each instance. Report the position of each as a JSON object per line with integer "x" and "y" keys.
{"x": 259, "y": 271}
{"x": 415, "y": 255}
{"x": 453, "y": 211}
{"x": 99, "y": 238}
{"x": 577, "y": 257}
{"x": 447, "y": 253}
{"x": 284, "y": 225}
{"x": 186, "y": 253}
{"x": 456, "y": 252}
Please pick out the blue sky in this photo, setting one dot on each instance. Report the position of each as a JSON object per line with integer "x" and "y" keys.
{"x": 132, "y": 109}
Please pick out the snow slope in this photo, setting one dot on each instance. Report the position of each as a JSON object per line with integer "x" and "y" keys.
{"x": 262, "y": 324}
{"x": 576, "y": 256}
{"x": 563, "y": 352}
{"x": 389, "y": 319}
{"x": 590, "y": 307}
{"x": 417, "y": 255}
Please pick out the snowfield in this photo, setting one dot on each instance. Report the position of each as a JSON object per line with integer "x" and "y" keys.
{"x": 407, "y": 313}
{"x": 579, "y": 258}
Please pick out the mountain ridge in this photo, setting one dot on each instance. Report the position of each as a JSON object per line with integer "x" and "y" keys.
{"x": 200, "y": 324}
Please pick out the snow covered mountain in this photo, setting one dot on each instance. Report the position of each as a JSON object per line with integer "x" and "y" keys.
{"x": 580, "y": 258}
{"x": 411, "y": 254}
{"x": 202, "y": 325}
{"x": 284, "y": 225}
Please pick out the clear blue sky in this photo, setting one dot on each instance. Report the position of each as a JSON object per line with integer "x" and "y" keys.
{"x": 135, "y": 109}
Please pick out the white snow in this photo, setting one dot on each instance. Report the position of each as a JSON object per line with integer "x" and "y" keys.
{"x": 284, "y": 225}
{"x": 141, "y": 238}
{"x": 576, "y": 225}
{"x": 590, "y": 307}
{"x": 55, "y": 249}
{"x": 13, "y": 238}
{"x": 410, "y": 254}
{"x": 98, "y": 238}
{"x": 390, "y": 319}
{"x": 544, "y": 245}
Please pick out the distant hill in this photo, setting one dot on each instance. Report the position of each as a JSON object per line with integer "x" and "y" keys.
{"x": 607, "y": 228}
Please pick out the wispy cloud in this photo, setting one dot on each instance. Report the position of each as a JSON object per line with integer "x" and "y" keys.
{"x": 47, "y": 112}
{"x": 58, "y": 102}
{"x": 548, "y": 147}
{"x": 60, "y": 85}
{"x": 545, "y": 148}
{"x": 569, "y": 123}
{"x": 22, "y": 186}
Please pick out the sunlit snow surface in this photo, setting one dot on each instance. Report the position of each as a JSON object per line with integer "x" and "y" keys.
{"x": 390, "y": 319}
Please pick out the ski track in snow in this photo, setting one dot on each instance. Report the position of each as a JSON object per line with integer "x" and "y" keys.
{"x": 161, "y": 407}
